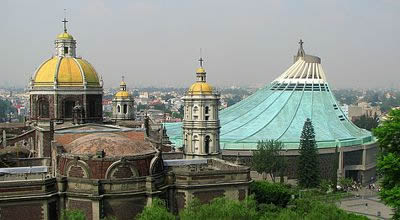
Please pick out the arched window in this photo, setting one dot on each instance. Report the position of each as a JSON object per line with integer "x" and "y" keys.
{"x": 68, "y": 107}
{"x": 125, "y": 108}
{"x": 44, "y": 108}
{"x": 206, "y": 110}
{"x": 118, "y": 108}
{"x": 207, "y": 144}
{"x": 195, "y": 109}
{"x": 195, "y": 142}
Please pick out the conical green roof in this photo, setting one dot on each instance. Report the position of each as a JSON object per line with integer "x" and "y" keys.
{"x": 278, "y": 111}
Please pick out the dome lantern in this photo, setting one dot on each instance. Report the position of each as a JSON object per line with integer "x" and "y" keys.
{"x": 200, "y": 86}
{"x": 65, "y": 44}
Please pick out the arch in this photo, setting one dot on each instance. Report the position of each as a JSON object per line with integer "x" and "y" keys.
{"x": 118, "y": 166}
{"x": 75, "y": 166}
{"x": 195, "y": 142}
{"x": 118, "y": 108}
{"x": 156, "y": 165}
{"x": 125, "y": 108}
{"x": 68, "y": 106}
{"x": 43, "y": 108}
{"x": 207, "y": 141}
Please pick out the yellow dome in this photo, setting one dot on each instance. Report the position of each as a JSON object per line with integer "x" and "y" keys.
{"x": 65, "y": 36}
{"x": 200, "y": 88}
{"x": 67, "y": 72}
{"x": 122, "y": 94}
{"x": 200, "y": 70}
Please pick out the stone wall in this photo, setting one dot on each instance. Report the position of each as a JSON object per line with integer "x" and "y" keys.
{"x": 32, "y": 211}
{"x": 326, "y": 164}
{"x": 84, "y": 205}
{"x": 124, "y": 209}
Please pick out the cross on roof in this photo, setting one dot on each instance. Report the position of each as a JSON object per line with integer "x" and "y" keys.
{"x": 201, "y": 61}
{"x": 65, "y": 21}
{"x": 301, "y": 43}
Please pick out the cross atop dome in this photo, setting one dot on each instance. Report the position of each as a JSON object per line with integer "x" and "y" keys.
{"x": 201, "y": 62}
{"x": 65, "y": 21}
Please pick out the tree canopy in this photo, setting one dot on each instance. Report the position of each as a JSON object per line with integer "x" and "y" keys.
{"x": 388, "y": 134}
{"x": 308, "y": 162}
{"x": 267, "y": 158}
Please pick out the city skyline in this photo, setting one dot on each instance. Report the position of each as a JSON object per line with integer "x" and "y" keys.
{"x": 244, "y": 44}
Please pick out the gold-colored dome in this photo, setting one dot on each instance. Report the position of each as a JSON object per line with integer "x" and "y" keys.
{"x": 65, "y": 36}
{"x": 66, "y": 72}
{"x": 200, "y": 88}
{"x": 122, "y": 94}
{"x": 200, "y": 70}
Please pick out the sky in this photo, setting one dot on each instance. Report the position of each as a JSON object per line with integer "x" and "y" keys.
{"x": 244, "y": 43}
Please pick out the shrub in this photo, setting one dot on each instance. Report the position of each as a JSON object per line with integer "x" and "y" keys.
{"x": 271, "y": 193}
{"x": 73, "y": 215}
{"x": 156, "y": 210}
{"x": 221, "y": 208}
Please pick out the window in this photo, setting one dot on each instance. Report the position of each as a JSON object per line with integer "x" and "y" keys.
{"x": 207, "y": 144}
{"x": 43, "y": 108}
{"x": 118, "y": 108}
{"x": 125, "y": 108}
{"x": 206, "y": 110}
{"x": 207, "y": 117}
{"x": 65, "y": 50}
{"x": 194, "y": 145}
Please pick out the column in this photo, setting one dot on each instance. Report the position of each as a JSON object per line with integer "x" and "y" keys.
{"x": 96, "y": 210}
{"x": 340, "y": 169}
{"x": 4, "y": 139}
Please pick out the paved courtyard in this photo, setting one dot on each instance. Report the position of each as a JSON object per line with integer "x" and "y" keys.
{"x": 366, "y": 202}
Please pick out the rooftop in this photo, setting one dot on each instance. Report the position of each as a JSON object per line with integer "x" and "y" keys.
{"x": 278, "y": 111}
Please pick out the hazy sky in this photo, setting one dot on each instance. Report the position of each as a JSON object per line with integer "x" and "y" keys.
{"x": 156, "y": 43}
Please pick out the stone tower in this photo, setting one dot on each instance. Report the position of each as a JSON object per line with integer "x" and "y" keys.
{"x": 201, "y": 123}
{"x": 123, "y": 104}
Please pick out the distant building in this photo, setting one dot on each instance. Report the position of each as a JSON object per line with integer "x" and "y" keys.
{"x": 363, "y": 108}
{"x": 123, "y": 104}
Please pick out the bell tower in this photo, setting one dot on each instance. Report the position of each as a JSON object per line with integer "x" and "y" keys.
{"x": 200, "y": 122}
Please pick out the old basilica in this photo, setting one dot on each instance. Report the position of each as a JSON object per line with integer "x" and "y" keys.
{"x": 65, "y": 157}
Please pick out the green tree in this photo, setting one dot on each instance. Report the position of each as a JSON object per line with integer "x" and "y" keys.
{"x": 308, "y": 162}
{"x": 271, "y": 193}
{"x": 221, "y": 208}
{"x": 366, "y": 122}
{"x": 267, "y": 158}
{"x": 74, "y": 214}
{"x": 5, "y": 109}
{"x": 156, "y": 210}
{"x": 388, "y": 134}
